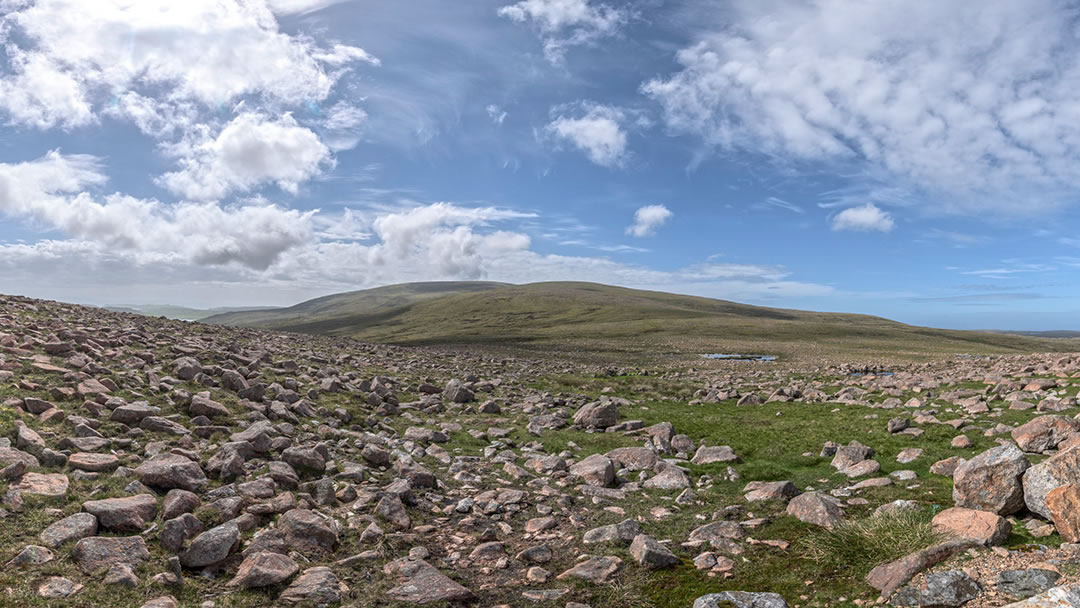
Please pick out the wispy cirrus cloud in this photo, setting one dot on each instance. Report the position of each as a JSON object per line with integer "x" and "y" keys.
{"x": 567, "y": 23}
{"x": 952, "y": 106}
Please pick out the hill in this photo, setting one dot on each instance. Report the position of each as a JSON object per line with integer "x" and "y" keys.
{"x": 573, "y": 318}
{"x": 181, "y": 313}
{"x": 334, "y": 313}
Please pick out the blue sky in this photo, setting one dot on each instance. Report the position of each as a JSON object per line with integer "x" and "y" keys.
{"x": 915, "y": 160}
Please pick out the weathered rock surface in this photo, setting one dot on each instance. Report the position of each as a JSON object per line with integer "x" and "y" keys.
{"x": 986, "y": 527}
{"x": 991, "y": 481}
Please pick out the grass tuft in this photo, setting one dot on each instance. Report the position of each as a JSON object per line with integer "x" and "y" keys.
{"x": 861, "y": 544}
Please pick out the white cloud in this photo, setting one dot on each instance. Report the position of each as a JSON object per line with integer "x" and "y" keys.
{"x": 54, "y": 193}
{"x": 69, "y": 60}
{"x": 497, "y": 114}
{"x": 566, "y": 23}
{"x": 183, "y": 253}
{"x": 597, "y": 132}
{"x": 343, "y": 126}
{"x": 647, "y": 219}
{"x": 249, "y": 151}
{"x": 773, "y": 202}
{"x": 866, "y": 218}
{"x": 973, "y": 102}
{"x": 290, "y": 7}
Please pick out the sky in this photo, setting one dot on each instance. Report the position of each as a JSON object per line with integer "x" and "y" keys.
{"x": 912, "y": 159}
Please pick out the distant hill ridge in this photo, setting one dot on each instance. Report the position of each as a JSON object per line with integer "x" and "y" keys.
{"x": 578, "y": 315}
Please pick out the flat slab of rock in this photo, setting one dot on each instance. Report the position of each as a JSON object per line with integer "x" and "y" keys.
{"x": 95, "y": 463}
{"x": 1023, "y": 584}
{"x": 69, "y": 529}
{"x": 97, "y": 552}
{"x": 58, "y": 587}
{"x": 711, "y": 454}
{"x": 623, "y": 532}
{"x": 127, "y": 514}
{"x": 11, "y": 456}
{"x": 422, "y": 583}
{"x": 53, "y": 485}
{"x": 599, "y": 569}
{"x": 769, "y": 490}
{"x": 889, "y": 577}
{"x": 1059, "y": 597}
{"x": 741, "y": 599}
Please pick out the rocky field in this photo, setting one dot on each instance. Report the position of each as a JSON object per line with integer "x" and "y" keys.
{"x": 148, "y": 462}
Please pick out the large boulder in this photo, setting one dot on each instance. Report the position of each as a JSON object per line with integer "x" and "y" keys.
{"x": 595, "y": 470}
{"x": 1060, "y": 469}
{"x": 650, "y": 554}
{"x": 986, "y": 527}
{"x": 1063, "y": 504}
{"x": 851, "y": 454}
{"x": 597, "y": 414}
{"x": 456, "y": 392}
{"x": 168, "y": 471}
{"x": 307, "y": 532}
{"x": 263, "y": 568}
{"x": 991, "y": 481}
{"x": 211, "y": 546}
{"x": 948, "y": 589}
{"x": 817, "y": 508}
{"x": 1044, "y": 433}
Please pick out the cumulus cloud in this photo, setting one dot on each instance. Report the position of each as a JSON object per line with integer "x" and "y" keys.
{"x": 69, "y": 60}
{"x": 647, "y": 219}
{"x": 973, "y": 102}
{"x": 866, "y": 218}
{"x": 55, "y": 192}
{"x": 249, "y": 151}
{"x": 442, "y": 236}
{"x": 566, "y": 23}
{"x": 596, "y": 131}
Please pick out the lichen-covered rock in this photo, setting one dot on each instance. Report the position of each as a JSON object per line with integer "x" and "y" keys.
{"x": 991, "y": 481}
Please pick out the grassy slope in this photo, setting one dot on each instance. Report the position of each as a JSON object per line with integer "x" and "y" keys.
{"x": 336, "y": 314}
{"x": 180, "y": 312}
{"x": 586, "y": 316}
